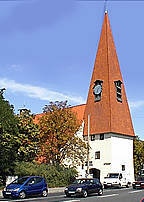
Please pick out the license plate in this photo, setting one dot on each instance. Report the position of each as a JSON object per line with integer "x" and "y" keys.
{"x": 71, "y": 192}
{"x": 8, "y": 192}
{"x": 108, "y": 183}
{"x": 138, "y": 185}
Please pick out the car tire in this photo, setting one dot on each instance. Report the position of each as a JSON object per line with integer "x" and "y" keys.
{"x": 68, "y": 195}
{"x": 127, "y": 186}
{"x": 100, "y": 192}
{"x": 119, "y": 186}
{"x": 44, "y": 193}
{"x": 22, "y": 195}
{"x": 5, "y": 196}
{"x": 85, "y": 194}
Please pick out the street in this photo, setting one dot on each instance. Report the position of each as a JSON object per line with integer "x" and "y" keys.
{"x": 110, "y": 195}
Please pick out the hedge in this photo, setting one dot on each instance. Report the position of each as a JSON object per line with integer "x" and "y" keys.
{"x": 56, "y": 176}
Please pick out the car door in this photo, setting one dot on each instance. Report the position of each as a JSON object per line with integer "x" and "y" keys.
{"x": 29, "y": 188}
{"x": 97, "y": 185}
{"x": 38, "y": 185}
{"x": 92, "y": 186}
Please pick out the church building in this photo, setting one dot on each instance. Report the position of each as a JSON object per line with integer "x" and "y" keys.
{"x": 106, "y": 119}
{"x": 109, "y": 126}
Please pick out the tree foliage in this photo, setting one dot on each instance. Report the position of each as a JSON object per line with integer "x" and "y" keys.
{"x": 55, "y": 175}
{"x": 138, "y": 155}
{"x": 28, "y": 138}
{"x": 58, "y": 128}
{"x": 8, "y": 133}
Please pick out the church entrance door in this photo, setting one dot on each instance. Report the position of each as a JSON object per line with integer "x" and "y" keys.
{"x": 95, "y": 172}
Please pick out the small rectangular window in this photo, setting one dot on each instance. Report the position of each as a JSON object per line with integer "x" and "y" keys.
{"x": 101, "y": 136}
{"x": 123, "y": 167}
{"x": 97, "y": 155}
{"x": 90, "y": 163}
{"x": 92, "y": 137}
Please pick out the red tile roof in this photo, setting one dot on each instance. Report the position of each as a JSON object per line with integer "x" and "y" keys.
{"x": 78, "y": 110}
{"x": 107, "y": 115}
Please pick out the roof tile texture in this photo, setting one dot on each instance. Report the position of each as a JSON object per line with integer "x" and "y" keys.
{"x": 107, "y": 115}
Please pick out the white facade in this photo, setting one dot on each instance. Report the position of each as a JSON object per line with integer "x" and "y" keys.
{"x": 115, "y": 155}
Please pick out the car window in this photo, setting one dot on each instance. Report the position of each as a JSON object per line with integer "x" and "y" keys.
{"x": 31, "y": 181}
{"x": 20, "y": 180}
{"x": 96, "y": 181}
{"x": 38, "y": 179}
{"x": 140, "y": 179}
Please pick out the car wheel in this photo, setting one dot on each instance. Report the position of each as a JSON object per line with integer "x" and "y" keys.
{"x": 85, "y": 194}
{"x": 119, "y": 186}
{"x": 45, "y": 193}
{"x": 127, "y": 186}
{"x": 22, "y": 195}
{"x": 100, "y": 192}
{"x": 68, "y": 195}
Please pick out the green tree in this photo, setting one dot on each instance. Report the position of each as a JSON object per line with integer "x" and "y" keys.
{"x": 8, "y": 133}
{"x": 28, "y": 137}
{"x": 55, "y": 175}
{"x": 58, "y": 131}
{"x": 138, "y": 155}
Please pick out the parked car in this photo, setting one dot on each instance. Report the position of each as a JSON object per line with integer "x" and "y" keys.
{"x": 84, "y": 187}
{"x": 116, "y": 180}
{"x": 139, "y": 183}
{"x": 26, "y": 186}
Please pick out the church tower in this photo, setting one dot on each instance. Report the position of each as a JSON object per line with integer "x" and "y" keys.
{"x": 111, "y": 130}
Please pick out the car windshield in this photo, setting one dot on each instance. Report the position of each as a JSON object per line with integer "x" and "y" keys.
{"x": 113, "y": 175}
{"x": 82, "y": 181}
{"x": 140, "y": 179}
{"x": 20, "y": 180}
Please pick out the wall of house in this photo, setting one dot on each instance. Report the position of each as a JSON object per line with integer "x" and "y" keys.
{"x": 122, "y": 155}
{"x": 115, "y": 151}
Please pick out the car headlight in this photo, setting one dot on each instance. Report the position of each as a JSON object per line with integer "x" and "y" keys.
{"x": 66, "y": 189}
{"x": 79, "y": 189}
{"x": 5, "y": 189}
{"x": 142, "y": 183}
{"x": 17, "y": 189}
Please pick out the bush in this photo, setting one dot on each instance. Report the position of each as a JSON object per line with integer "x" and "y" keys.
{"x": 56, "y": 176}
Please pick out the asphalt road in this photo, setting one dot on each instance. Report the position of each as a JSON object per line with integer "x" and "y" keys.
{"x": 110, "y": 195}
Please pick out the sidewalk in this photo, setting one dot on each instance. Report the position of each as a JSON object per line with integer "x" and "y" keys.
{"x": 50, "y": 190}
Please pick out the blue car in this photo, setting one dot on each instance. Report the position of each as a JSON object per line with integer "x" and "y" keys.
{"x": 26, "y": 186}
{"x": 84, "y": 187}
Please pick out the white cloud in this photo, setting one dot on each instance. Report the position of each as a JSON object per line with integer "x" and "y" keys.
{"x": 38, "y": 92}
{"x": 136, "y": 104}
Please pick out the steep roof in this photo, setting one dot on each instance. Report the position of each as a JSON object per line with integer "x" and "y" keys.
{"x": 107, "y": 115}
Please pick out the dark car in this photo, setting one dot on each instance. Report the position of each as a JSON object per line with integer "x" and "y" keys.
{"x": 84, "y": 187}
{"x": 139, "y": 183}
{"x": 26, "y": 186}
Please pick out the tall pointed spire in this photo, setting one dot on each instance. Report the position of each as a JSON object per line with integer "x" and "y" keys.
{"x": 107, "y": 102}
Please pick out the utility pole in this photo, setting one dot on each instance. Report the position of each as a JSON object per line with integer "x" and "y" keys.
{"x": 88, "y": 145}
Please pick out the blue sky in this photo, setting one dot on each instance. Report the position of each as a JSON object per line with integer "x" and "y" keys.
{"x": 48, "y": 49}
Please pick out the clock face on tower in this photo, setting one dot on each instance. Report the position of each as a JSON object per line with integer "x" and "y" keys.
{"x": 97, "y": 89}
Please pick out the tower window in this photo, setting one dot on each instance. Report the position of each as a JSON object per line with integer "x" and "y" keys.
{"x": 92, "y": 137}
{"x": 101, "y": 136}
{"x": 118, "y": 90}
{"x": 97, "y": 90}
{"x": 97, "y": 155}
{"x": 123, "y": 167}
